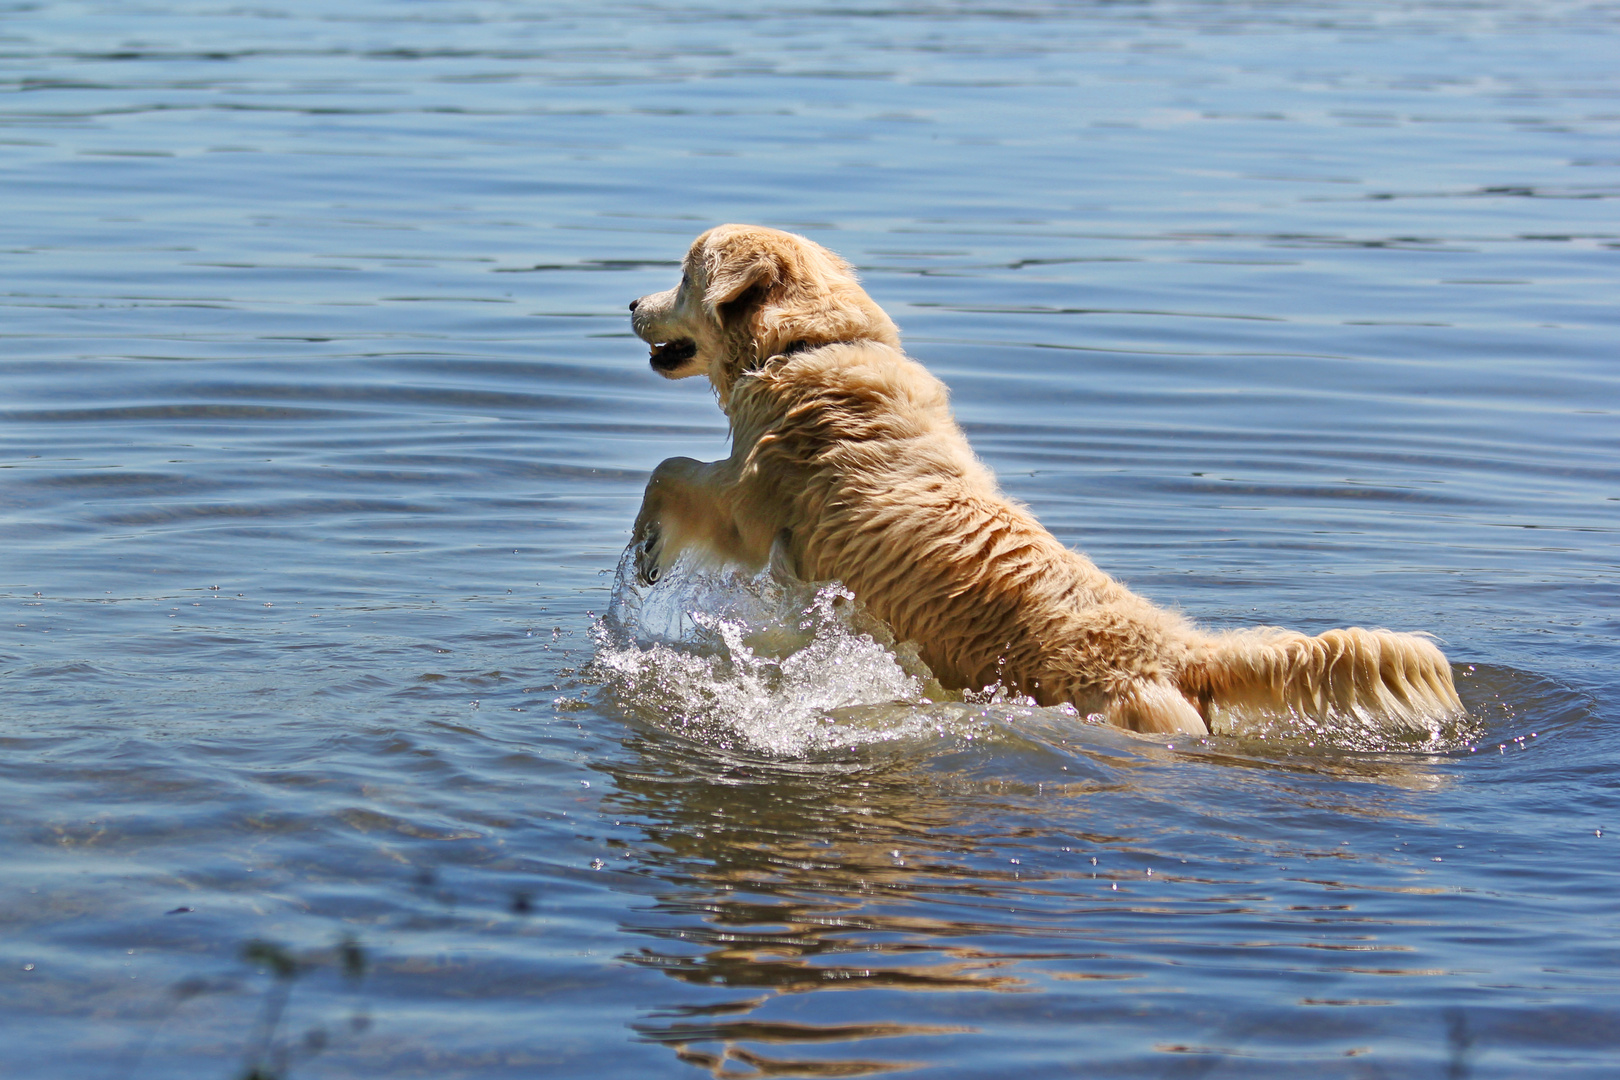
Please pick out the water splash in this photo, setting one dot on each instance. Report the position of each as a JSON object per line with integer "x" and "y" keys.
{"x": 770, "y": 664}
{"x": 773, "y": 665}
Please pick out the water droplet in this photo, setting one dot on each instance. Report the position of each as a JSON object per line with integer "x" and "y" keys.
{"x": 597, "y": 864}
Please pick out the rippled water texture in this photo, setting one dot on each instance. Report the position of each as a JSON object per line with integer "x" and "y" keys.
{"x": 322, "y": 429}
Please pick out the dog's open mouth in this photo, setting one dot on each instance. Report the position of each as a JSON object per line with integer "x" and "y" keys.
{"x": 669, "y": 355}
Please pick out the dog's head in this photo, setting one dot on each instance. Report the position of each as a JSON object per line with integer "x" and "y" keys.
{"x": 748, "y": 293}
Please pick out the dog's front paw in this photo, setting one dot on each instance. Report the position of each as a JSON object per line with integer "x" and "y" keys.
{"x": 648, "y": 550}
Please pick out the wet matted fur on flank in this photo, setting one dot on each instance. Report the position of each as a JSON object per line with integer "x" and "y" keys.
{"x": 845, "y": 452}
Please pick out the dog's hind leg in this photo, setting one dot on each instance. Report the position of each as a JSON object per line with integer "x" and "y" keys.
{"x": 1155, "y": 706}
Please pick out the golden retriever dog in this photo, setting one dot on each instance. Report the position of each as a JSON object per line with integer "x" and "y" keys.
{"x": 845, "y": 453}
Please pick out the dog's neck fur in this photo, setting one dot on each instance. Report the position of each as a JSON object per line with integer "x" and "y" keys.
{"x": 744, "y": 359}
{"x": 780, "y": 316}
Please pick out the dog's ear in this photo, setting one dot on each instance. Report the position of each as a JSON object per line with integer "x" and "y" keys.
{"x": 741, "y": 273}
{"x": 774, "y": 291}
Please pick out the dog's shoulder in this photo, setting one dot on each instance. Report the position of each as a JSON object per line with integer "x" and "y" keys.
{"x": 859, "y": 408}
{"x": 858, "y": 377}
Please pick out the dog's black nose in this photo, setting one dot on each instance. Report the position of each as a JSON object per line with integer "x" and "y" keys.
{"x": 633, "y": 304}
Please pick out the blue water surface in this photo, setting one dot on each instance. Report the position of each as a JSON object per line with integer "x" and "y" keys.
{"x": 322, "y": 430}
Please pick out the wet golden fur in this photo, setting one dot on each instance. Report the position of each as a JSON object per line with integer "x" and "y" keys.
{"x": 845, "y": 450}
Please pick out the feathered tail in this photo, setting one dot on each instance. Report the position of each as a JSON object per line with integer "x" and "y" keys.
{"x": 1376, "y": 675}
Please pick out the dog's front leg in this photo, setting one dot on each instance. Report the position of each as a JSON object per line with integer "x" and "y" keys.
{"x": 690, "y": 504}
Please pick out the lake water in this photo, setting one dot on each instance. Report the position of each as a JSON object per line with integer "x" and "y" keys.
{"x": 322, "y": 430}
